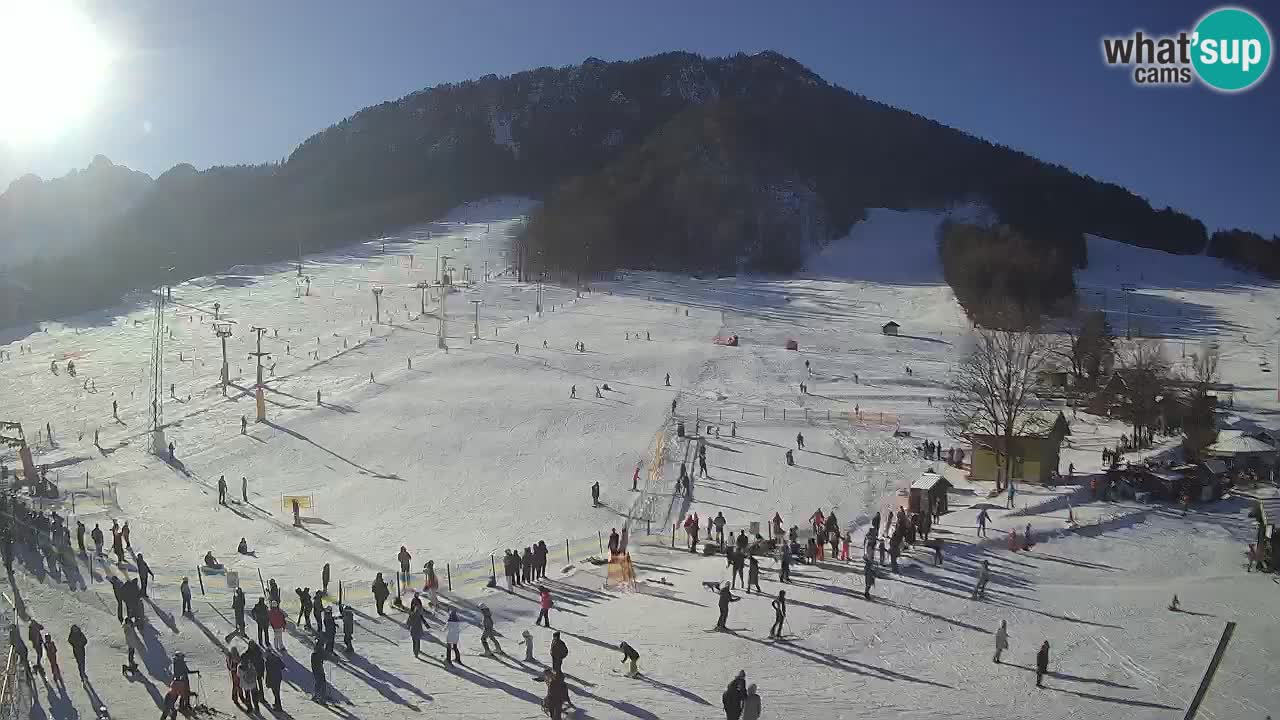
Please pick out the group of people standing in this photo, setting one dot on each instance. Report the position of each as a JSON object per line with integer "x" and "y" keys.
{"x": 521, "y": 569}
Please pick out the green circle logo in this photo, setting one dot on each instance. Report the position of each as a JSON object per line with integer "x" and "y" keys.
{"x": 1231, "y": 49}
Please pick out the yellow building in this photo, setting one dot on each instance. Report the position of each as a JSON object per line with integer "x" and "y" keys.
{"x": 1034, "y": 457}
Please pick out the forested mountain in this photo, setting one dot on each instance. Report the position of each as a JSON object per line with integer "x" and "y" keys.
{"x": 673, "y": 161}
{"x": 52, "y": 218}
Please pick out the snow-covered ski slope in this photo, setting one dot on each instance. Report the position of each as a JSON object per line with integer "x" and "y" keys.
{"x": 461, "y": 454}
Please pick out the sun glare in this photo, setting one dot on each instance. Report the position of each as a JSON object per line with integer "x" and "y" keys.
{"x": 53, "y": 65}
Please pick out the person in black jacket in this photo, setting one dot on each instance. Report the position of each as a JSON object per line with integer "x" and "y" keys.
{"x": 304, "y": 603}
{"x": 559, "y": 651}
{"x": 417, "y": 621}
{"x": 753, "y": 575}
{"x": 237, "y": 606}
{"x": 734, "y": 695}
{"x": 259, "y": 613}
{"x": 330, "y": 629}
{"x": 725, "y": 598}
{"x": 380, "y": 592}
{"x": 78, "y": 643}
{"x": 274, "y": 674}
{"x": 629, "y": 655}
{"x": 1042, "y": 662}
{"x": 779, "y": 614}
{"x": 321, "y": 693}
{"x": 348, "y": 625}
{"x": 317, "y": 609}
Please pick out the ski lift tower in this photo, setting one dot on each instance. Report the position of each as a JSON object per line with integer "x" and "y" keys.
{"x": 476, "y": 303}
{"x": 258, "y": 391}
{"x": 377, "y": 303}
{"x": 440, "y": 337}
{"x": 155, "y": 420}
{"x": 222, "y": 331}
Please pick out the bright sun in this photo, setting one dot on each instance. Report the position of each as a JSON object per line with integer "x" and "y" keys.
{"x": 53, "y": 65}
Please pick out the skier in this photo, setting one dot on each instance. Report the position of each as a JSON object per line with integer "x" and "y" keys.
{"x": 544, "y": 605}
{"x": 487, "y": 632}
{"x": 725, "y": 598}
{"x": 984, "y": 575}
{"x": 237, "y": 606}
{"x": 784, "y": 566}
{"x": 598, "y": 395}
{"x": 1002, "y": 641}
{"x": 404, "y": 557}
{"x": 222, "y": 489}
{"x": 779, "y": 614}
{"x": 78, "y": 643}
{"x": 304, "y": 606}
{"x": 1042, "y": 662}
{"x": 595, "y": 494}
{"x": 348, "y": 625}
{"x": 380, "y": 593}
{"x": 983, "y": 517}
{"x": 276, "y": 619}
{"x": 559, "y": 651}
{"x": 317, "y": 675}
{"x": 453, "y": 633}
{"x": 144, "y": 571}
{"x": 629, "y": 655}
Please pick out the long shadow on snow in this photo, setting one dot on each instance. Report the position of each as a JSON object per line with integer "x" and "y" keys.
{"x": 317, "y": 445}
{"x": 827, "y": 660}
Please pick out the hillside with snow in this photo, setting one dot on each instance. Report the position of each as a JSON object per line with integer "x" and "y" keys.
{"x": 493, "y": 442}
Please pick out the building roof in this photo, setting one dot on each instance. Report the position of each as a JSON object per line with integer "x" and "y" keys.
{"x": 1236, "y": 442}
{"x": 1216, "y": 466}
{"x": 1046, "y": 422}
{"x": 929, "y": 480}
{"x": 891, "y": 324}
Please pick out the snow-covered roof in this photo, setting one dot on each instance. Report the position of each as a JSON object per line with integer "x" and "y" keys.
{"x": 928, "y": 481}
{"x": 1236, "y": 442}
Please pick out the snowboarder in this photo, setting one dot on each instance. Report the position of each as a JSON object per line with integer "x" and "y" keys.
{"x": 380, "y": 593}
{"x": 559, "y": 651}
{"x": 631, "y": 657}
{"x": 222, "y": 489}
{"x": 779, "y": 614}
{"x": 78, "y": 643}
{"x": 544, "y": 605}
{"x": 1002, "y": 641}
{"x": 453, "y": 633}
{"x": 1042, "y": 662}
{"x": 487, "y": 633}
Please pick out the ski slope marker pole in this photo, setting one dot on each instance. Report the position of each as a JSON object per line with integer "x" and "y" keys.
{"x": 567, "y": 561}
{"x": 201, "y": 578}
{"x": 448, "y": 574}
{"x": 600, "y": 540}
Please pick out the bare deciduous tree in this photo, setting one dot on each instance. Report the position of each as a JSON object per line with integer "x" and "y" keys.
{"x": 1199, "y": 426}
{"x": 1146, "y": 380}
{"x": 991, "y": 390}
{"x": 1086, "y": 345}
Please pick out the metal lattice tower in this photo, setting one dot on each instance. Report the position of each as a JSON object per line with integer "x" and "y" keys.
{"x": 155, "y": 416}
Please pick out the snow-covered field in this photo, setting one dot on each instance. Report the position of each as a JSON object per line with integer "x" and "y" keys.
{"x": 464, "y": 453}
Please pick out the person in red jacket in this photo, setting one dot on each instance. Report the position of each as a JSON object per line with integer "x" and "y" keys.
{"x": 544, "y": 602}
{"x": 276, "y": 618}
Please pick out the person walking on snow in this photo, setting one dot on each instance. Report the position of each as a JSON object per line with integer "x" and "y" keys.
{"x": 78, "y": 643}
{"x": 304, "y": 606}
{"x": 380, "y": 593}
{"x": 702, "y": 465}
{"x": 348, "y": 625}
{"x": 559, "y": 651}
{"x": 237, "y": 606}
{"x": 799, "y": 441}
{"x": 1009, "y": 503}
{"x": 144, "y": 573}
{"x": 984, "y": 575}
{"x": 431, "y": 584}
{"x": 404, "y": 557}
{"x": 274, "y": 672}
{"x": 1042, "y": 662}
{"x": 222, "y": 489}
{"x": 868, "y": 579}
{"x": 244, "y": 489}
{"x": 667, "y": 380}
{"x": 51, "y": 650}
{"x": 261, "y": 618}
{"x": 751, "y": 704}
{"x": 734, "y": 695}
{"x": 324, "y": 579}
{"x": 276, "y": 619}
{"x": 544, "y": 605}
{"x": 317, "y": 610}
{"x": 725, "y": 598}
{"x": 317, "y": 675}
{"x": 453, "y": 633}
{"x": 486, "y": 631}
{"x": 635, "y": 487}
{"x": 1002, "y": 641}
{"x": 983, "y": 517}
{"x": 753, "y": 574}
{"x": 595, "y": 494}
{"x": 629, "y": 655}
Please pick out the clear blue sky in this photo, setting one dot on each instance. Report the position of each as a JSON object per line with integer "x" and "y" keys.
{"x": 239, "y": 81}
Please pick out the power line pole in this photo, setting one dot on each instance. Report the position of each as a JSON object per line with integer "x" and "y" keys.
{"x": 223, "y": 331}
{"x": 377, "y": 303}
{"x": 423, "y": 287}
{"x": 477, "y": 327}
{"x": 259, "y": 393}
{"x": 156, "y": 414}
{"x": 440, "y": 341}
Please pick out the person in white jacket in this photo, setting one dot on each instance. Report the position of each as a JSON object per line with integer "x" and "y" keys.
{"x": 1002, "y": 641}
{"x": 452, "y": 634}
